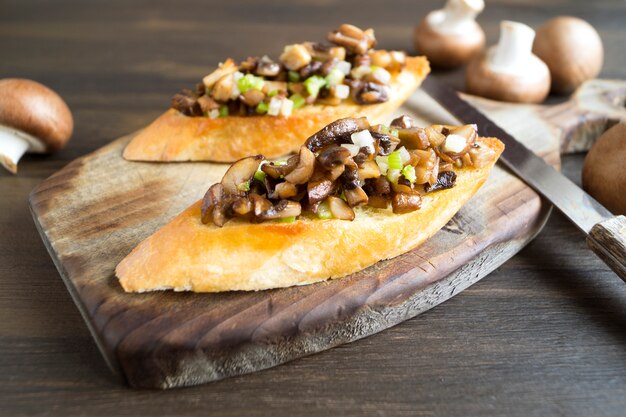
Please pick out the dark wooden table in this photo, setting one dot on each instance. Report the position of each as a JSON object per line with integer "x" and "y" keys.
{"x": 545, "y": 334}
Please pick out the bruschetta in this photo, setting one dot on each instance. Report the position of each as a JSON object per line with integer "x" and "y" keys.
{"x": 353, "y": 195}
{"x": 267, "y": 107}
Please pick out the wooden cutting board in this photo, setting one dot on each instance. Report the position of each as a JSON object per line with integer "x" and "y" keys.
{"x": 95, "y": 210}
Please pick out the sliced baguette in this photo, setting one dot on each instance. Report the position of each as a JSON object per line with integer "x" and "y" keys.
{"x": 186, "y": 255}
{"x": 176, "y": 137}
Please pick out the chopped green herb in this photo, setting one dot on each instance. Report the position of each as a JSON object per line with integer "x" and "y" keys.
{"x": 250, "y": 82}
{"x": 280, "y": 162}
{"x": 259, "y": 176}
{"x": 262, "y": 107}
{"x": 289, "y": 219}
{"x": 244, "y": 186}
{"x": 313, "y": 85}
{"x": 294, "y": 76}
{"x": 298, "y": 101}
{"x": 272, "y": 93}
{"x": 223, "y": 110}
{"x": 323, "y": 211}
{"x": 334, "y": 77}
{"x": 395, "y": 160}
{"x": 409, "y": 173}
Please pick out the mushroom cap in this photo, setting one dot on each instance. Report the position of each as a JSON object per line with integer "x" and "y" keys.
{"x": 603, "y": 173}
{"x": 33, "y": 108}
{"x": 531, "y": 85}
{"x": 449, "y": 49}
{"x": 572, "y": 49}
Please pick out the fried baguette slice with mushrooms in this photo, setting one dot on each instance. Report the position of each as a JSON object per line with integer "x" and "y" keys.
{"x": 176, "y": 137}
{"x": 186, "y": 255}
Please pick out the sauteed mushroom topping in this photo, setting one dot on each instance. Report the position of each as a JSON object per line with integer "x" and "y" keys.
{"x": 346, "y": 68}
{"x": 346, "y": 164}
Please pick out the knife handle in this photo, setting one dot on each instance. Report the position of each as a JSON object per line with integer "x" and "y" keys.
{"x": 608, "y": 240}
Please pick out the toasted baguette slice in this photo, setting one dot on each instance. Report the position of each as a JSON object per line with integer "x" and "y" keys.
{"x": 176, "y": 137}
{"x": 186, "y": 255}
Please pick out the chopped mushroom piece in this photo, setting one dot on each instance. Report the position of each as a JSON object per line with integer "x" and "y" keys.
{"x": 308, "y": 73}
{"x": 330, "y": 175}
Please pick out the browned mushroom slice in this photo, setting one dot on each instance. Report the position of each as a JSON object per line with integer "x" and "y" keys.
{"x": 378, "y": 201}
{"x": 187, "y": 105}
{"x": 241, "y": 206}
{"x": 284, "y": 190}
{"x": 337, "y": 132}
{"x": 252, "y": 97}
{"x": 240, "y": 173}
{"x": 369, "y": 169}
{"x": 465, "y": 135}
{"x": 435, "y": 137}
{"x": 304, "y": 169}
{"x": 386, "y": 142}
{"x": 284, "y": 208}
{"x": 267, "y": 68}
{"x": 402, "y": 203}
{"x": 356, "y": 196}
{"x": 260, "y": 205}
{"x": 333, "y": 157}
{"x": 318, "y": 190}
{"x": 445, "y": 179}
{"x": 379, "y": 186}
{"x": 276, "y": 171}
{"x": 312, "y": 68}
{"x": 352, "y": 38}
{"x": 340, "y": 209}
{"x": 207, "y": 104}
{"x": 403, "y": 122}
{"x": 369, "y": 93}
{"x": 413, "y": 138}
{"x": 214, "y": 195}
{"x": 335, "y": 173}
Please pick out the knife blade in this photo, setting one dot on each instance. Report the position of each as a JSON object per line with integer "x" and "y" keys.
{"x": 606, "y": 234}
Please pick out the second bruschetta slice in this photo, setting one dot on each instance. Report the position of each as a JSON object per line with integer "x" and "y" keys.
{"x": 355, "y": 194}
{"x": 263, "y": 106}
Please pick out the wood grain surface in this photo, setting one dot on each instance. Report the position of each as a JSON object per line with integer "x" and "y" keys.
{"x": 92, "y": 213}
{"x": 542, "y": 335}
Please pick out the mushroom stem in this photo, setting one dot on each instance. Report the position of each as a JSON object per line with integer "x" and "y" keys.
{"x": 514, "y": 48}
{"x": 12, "y": 147}
{"x": 455, "y": 16}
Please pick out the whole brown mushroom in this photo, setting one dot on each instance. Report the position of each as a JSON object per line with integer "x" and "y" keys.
{"x": 33, "y": 118}
{"x": 572, "y": 49}
{"x": 603, "y": 174}
{"x": 450, "y": 37}
{"x": 509, "y": 71}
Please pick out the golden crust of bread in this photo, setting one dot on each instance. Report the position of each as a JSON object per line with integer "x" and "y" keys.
{"x": 188, "y": 255}
{"x": 176, "y": 137}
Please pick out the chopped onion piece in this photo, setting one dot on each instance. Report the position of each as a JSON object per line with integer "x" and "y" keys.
{"x": 342, "y": 91}
{"x": 383, "y": 164}
{"x": 404, "y": 155}
{"x": 214, "y": 114}
{"x": 275, "y": 105}
{"x": 363, "y": 139}
{"x": 454, "y": 143}
{"x": 334, "y": 77}
{"x": 360, "y": 72}
{"x": 393, "y": 175}
{"x": 382, "y": 75}
{"x": 344, "y": 66}
{"x": 354, "y": 149}
{"x": 237, "y": 75}
{"x": 286, "y": 108}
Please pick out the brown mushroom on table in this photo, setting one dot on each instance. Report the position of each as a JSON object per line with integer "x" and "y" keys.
{"x": 572, "y": 49}
{"x": 603, "y": 173}
{"x": 509, "y": 71}
{"x": 33, "y": 118}
{"x": 450, "y": 37}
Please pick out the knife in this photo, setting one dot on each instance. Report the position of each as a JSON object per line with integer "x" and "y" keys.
{"x": 606, "y": 233}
